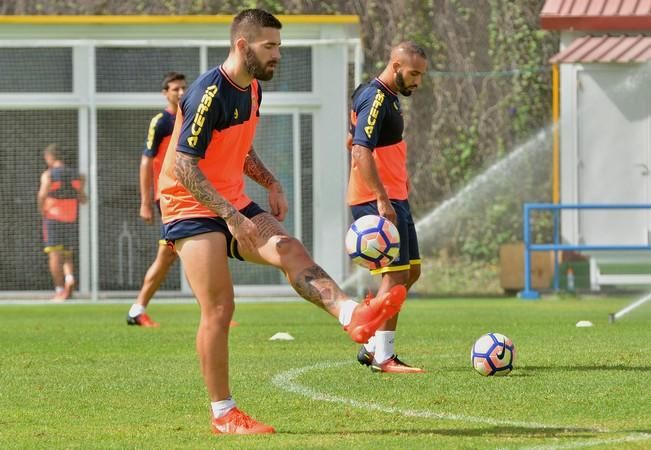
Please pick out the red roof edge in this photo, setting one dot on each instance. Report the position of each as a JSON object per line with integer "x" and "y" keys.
{"x": 595, "y": 23}
{"x": 606, "y": 49}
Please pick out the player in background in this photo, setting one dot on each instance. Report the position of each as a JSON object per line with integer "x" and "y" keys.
{"x": 158, "y": 137}
{"x": 208, "y": 217}
{"x": 60, "y": 192}
{"x": 379, "y": 183}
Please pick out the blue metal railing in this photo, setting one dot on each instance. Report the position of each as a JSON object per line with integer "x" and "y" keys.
{"x": 530, "y": 294}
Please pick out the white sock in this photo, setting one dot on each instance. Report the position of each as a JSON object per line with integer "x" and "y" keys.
{"x": 384, "y": 345}
{"x": 136, "y": 310}
{"x": 346, "y": 311}
{"x": 222, "y": 407}
{"x": 58, "y": 289}
{"x": 70, "y": 278}
{"x": 370, "y": 345}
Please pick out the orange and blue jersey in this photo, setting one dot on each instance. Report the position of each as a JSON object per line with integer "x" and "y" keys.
{"x": 62, "y": 201}
{"x": 158, "y": 138}
{"x": 376, "y": 123}
{"x": 216, "y": 121}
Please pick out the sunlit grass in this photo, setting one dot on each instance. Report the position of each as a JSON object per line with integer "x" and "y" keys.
{"x": 75, "y": 376}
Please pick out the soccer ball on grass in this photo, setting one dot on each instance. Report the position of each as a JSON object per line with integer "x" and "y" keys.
{"x": 493, "y": 355}
{"x": 372, "y": 242}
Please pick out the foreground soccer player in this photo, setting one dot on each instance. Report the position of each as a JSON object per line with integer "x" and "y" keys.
{"x": 207, "y": 216}
{"x": 379, "y": 183}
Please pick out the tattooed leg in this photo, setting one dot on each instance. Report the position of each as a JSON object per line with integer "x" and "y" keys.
{"x": 288, "y": 254}
{"x": 316, "y": 286}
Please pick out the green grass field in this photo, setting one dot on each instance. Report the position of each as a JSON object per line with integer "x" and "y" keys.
{"x": 75, "y": 376}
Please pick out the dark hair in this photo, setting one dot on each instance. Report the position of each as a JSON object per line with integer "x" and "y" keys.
{"x": 53, "y": 150}
{"x": 412, "y": 48}
{"x": 169, "y": 77}
{"x": 248, "y": 22}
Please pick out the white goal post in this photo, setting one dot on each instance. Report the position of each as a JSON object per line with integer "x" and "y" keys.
{"x": 92, "y": 83}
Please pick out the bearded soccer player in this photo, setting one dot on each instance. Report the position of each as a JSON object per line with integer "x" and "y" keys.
{"x": 379, "y": 183}
{"x": 59, "y": 195}
{"x": 158, "y": 138}
{"x": 208, "y": 217}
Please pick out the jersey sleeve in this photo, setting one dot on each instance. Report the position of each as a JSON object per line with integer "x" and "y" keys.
{"x": 369, "y": 110}
{"x": 155, "y": 135}
{"x": 202, "y": 110}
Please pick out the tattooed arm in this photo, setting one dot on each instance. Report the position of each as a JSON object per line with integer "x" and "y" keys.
{"x": 255, "y": 169}
{"x": 192, "y": 178}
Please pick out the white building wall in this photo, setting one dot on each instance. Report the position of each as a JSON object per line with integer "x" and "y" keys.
{"x": 605, "y": 137}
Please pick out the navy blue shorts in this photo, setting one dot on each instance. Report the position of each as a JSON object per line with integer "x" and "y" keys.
{"x": 409, "y": 254}
{"x": 184, "y": 228}
{"x": 60, "y": 236}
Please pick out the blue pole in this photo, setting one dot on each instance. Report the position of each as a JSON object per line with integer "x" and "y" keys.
{"x": 527, "y": 293}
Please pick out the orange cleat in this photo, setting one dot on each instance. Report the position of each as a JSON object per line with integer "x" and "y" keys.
{"x": 233, "y": 324}
{"x": 238, "y": 422}
{"x": 394, "y": 365}
{"x": 369, "y": 315}
{"x": 142, "y": 320}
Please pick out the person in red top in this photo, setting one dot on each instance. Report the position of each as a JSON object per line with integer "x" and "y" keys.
{"x": 158, "y": 138}
{"x": 208, "y": 217}
{"x": 379, "y": 183}
{"x": 61, "y": 190}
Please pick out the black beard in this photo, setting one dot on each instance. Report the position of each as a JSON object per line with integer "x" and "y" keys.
{"x": 400, "y": 84}
{"x": 255, "y": 67}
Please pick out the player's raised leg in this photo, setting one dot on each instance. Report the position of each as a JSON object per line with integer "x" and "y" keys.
{"x": 312, "y": 283}
{"x": 206, "y": 268}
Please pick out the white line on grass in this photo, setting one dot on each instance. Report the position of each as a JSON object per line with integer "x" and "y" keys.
{"x": 287, "y": 382}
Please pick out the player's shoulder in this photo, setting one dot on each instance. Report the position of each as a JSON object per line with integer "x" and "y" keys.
{"x": 368, "y": 92}
{"x": 156, "y": 118}
{"x": 162, "y": 123}
{"x": 167, "y": 117}
{"x": 213, "y": 77}
{"x": 361, "y": 91}
{"x": 208, "y": 84}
